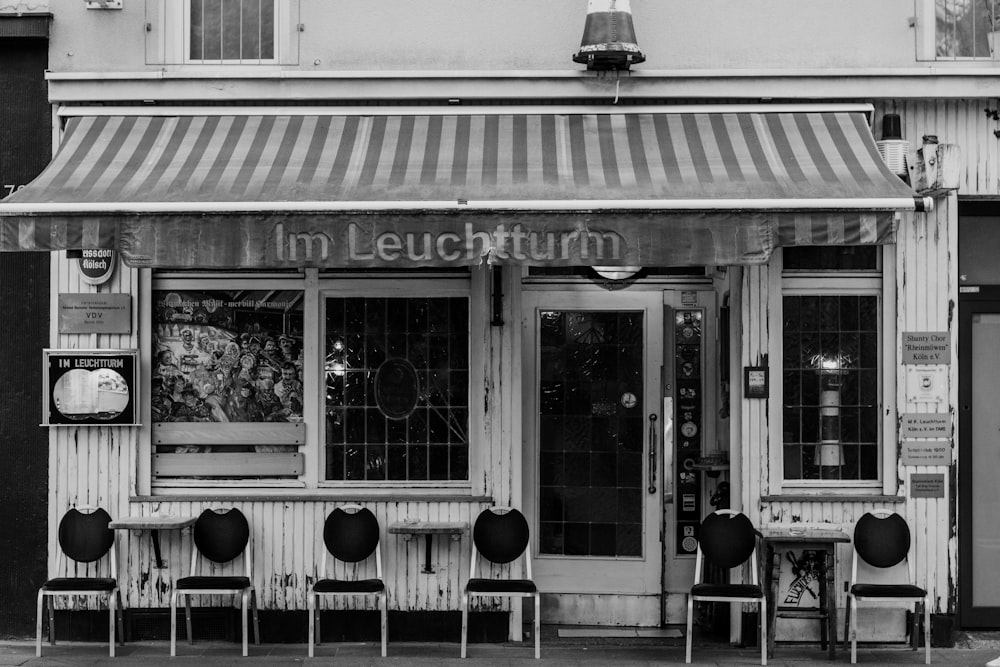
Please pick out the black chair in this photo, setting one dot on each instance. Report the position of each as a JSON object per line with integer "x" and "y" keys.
{"x": 882, "y": 541}
{"x": 727, "y": 539}
{"x": 84, "y": 537}
{"x": 220, "y": 537}
{"x": 351, "y": 535}
{"x": 500, "y": 536}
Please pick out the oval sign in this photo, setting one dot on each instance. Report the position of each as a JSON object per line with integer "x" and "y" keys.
{"x": 397, "y": 388}
{"x": 97, "y": 265}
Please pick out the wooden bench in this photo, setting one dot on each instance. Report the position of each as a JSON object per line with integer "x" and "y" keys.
{"x": 220, "y": 450}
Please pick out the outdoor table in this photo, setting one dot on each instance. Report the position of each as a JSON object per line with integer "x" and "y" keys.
{"x": 429, "y": 529}
{"x": 779, "y": 538}
{"x": 154, "y": 524}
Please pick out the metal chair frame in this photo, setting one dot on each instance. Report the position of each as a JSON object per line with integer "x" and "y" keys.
{"x": 50, "y": 590}
{"x": 247, "y": 595}
{"x": 315, "y": 634}
{"x": 473, "y": 566}
{"x": 922, "y": 600}
{"x": 755, "y": 580}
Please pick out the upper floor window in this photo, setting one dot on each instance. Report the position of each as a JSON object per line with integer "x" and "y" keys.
{"x": 230, "y": 30}
{"x": 222, "y": 32}
{"x": 957, "y": 29}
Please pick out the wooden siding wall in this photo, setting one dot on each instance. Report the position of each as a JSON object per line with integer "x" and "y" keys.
{"x": 926, "y": 298}
{"x": 96, "y": 466}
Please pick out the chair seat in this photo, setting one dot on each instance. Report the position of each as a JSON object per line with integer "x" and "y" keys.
{"x": 212, "y": 583}
{"x": 727, "y": 591}
{"x": 80, "y": 584}
{"x": 342, "y": 586}
{"x": 888, "y": 591}
{"x": 501, "y": 586}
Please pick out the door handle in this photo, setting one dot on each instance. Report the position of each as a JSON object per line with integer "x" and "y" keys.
{"x": 652, "y": 452}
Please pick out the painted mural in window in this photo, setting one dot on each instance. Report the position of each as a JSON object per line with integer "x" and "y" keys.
{"x": 227, "y": 356}
{"x": 231, "y": 30}
{"x": 397, "y": 389}
{"x": 831, "y": 387}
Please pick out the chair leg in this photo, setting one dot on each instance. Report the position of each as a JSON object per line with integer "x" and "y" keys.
{"x": 187, "y": 618}
{"x": 465, "y": 621}
{"x": 763, "y": 630}
{"x": 690, "y": 628}
{"x": 111, "y": 625}
{"x": 847, "y": 623}
{"x": 538, "y": 626}
{"x": 385, "y": 623}
{"x": 244, "y": 604}
{"x": 256, "y": 623}
{"x": 173, "y": 624}
{"x": 311, "y": 603}
{"x": 38, "y": 625}
{"x": 854, "y": 628}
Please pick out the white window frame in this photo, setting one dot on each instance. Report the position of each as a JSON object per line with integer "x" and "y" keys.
{"x": 175, "y": 34}
{"x": 880, "y": 284}
{"x": 315, "y": 288}
{"x": 926, "y": 35}
{"x": 393, "y": 286}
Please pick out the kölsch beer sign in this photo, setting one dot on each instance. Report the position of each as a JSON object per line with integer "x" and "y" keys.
{"x": 96, "y": 264}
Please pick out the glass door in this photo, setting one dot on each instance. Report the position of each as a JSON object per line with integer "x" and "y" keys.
{"x": 599, "y": 444}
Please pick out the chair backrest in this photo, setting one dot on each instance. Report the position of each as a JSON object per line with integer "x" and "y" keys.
{"x": 221, "y": 536}
{"x": 727, "y": 538}
{"x": 85, "y": 536}
{"x": 882, "y": 541}
{"x": 351, "y": 533}
{"x": 500, "y": 536}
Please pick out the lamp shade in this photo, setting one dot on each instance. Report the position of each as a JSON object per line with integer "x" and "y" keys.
{"x": 892, "y": 147}
{"x": 608, "y": 37}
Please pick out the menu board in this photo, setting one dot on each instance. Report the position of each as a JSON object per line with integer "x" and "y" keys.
{"x": 90, "y": 387}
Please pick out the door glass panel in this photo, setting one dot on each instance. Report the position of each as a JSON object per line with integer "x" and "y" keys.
{"x": 591, "y": 432}
{"x": 985, "y": 459}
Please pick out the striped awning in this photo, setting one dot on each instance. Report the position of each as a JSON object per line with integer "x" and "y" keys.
{"x": 643, "y": 186}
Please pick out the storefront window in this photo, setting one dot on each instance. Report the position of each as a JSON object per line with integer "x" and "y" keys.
{"x": 397, "y": 388}
{"x": 831, "y": 417}
{"x": 227, "y": 356}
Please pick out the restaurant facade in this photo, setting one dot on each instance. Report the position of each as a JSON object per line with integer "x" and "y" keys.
{"x": 432, "y": 266}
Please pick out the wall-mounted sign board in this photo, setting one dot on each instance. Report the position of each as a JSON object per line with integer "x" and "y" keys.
{"x": 926, "y": 452}
{"x": 926, "y": 347}
{"x": 95, "y": 313}
{"x": 926, "y": 485}
{"x": 90, "y": 387}
{"x": 925, "y": 425}
{"x": 927, "y": 384}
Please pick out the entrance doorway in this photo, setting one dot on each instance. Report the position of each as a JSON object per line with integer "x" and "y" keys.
{"x": 979, "y": 452}
{"x": 617, "y": 413}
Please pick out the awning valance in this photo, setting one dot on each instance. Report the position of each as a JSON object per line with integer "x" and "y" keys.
{"x": 667, "y": 186}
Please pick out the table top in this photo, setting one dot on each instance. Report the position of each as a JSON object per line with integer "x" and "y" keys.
{"x": 152, "y": 522}
{"x": 429, "y": 527}
{"x": 802, "y": 534}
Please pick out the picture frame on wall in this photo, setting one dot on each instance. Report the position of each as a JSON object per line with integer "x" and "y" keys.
{"x": 90, "y": 387}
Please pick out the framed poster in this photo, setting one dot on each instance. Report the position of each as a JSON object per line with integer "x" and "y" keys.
{"x": 90, "y": 387}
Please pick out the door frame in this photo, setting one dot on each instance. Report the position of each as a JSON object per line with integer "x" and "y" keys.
{"x": 986, "y": 300}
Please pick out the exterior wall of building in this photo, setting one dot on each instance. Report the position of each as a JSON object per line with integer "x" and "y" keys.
{"x": 100, "y": 465}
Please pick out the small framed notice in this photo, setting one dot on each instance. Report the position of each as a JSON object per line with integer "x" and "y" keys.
{"x": 755, "y": 382}
{"x": 90, "y": 387}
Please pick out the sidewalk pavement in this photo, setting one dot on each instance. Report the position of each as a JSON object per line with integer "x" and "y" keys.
{"x": 576, "y": 652}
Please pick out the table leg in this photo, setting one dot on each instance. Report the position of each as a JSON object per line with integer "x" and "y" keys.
{"x": 155, "y": 536}
{"x": 831, "y": 600}
{"x": 428, "y": 542}
{"x": 772, "y": 575}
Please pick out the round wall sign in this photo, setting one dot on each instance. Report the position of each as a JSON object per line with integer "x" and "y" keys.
{"x": 97, "y": 265}
{"x": 397, "y": 388}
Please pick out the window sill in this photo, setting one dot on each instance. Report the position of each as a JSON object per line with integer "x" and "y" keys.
{"x": 832, "y": 498}
{"x": 311, "y": 495}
